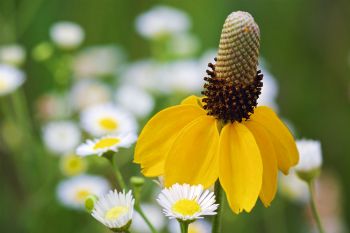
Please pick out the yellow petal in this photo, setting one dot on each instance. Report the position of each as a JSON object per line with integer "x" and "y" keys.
{"x": 283, "y": 141}
{"x": 240, "y": 167}
{"x": 269, "y": 160}
{"x": 193, "y": 100}
{"x": 158, "y": 135}
{"x": 193, "y": 157}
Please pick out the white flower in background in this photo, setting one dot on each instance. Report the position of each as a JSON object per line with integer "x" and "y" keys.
{"x": 200, "y": 226}
{"x": 115, "y": 210}
{"x": 183, "y": 44}
{"x": 72, "y": 165}
{"x": 61, "y": 136}
{"x": 269, "y": 90}
{"x": 87, "y": 93}
{"x": 105, "y": 119}
{"x": 186, "y": 202}
{"x": 310, "y": 155}
{"x": 135, "y": 100}
{"x": 207, "y": 56}
{"x": 67, "y": 35}
{"x": 154, "y": 214}
{"x": 72, "y": 192}
{"x": 98, "y": 61}
{"x": 162, "y": 20}
{"x": 10, "y": 79}
{"x": 13, "y": 54}
{"x": 293, "y": 188}
{"x": 105, "y": 144}
{"x": 51, "y": 106}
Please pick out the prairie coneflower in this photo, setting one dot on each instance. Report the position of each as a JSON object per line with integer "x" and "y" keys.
{"x": 223, "y": 134}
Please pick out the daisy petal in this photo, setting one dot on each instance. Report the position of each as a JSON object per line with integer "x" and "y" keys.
{"x": 159, "y": 134}
{"x": 283, "y": 141}
{"x": 240, "y": 167}
{"x": 193, "y": 158}
{"x": 269, "y": 160}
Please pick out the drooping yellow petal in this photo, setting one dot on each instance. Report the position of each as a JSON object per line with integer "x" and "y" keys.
{"x": 193, "y": 100}
{"x": 240, "y": 167}
{"x": 158, "y": 135}
{"x": 283, "y": 141}
{"x": 269, "y": 160}
{"x": 193, "y": 157}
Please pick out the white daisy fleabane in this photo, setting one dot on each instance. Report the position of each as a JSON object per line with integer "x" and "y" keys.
{"x": 162, "y": 20}
{"x": 10, "y": 79}
{"x": 186, "y": 202}
{"x": 114, "y": 210}
{"x": 155, "y": 216}
{"x": 200, "y": 226}
{"x": 67, "y": 35}
{"x": 105, "y": 119}
{"x": 293, "y": 188}
{"x": 72, "y": 192}
{"x": 105, "y": 144}
{"x": 12, "y": 54}
{"x": 61, "y": 137}
{"x": 310, "y": 155}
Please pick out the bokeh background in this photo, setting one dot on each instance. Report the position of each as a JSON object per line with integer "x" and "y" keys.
{"x": 305, "y": 46}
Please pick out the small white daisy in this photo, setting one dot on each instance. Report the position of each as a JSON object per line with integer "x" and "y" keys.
{"x": 67, "y": 35}
{"x": 72, "y": 192}
{"x": 293, "y": 188}
{"x": 72, "y": 165}
{"x": 105, "y": 119}
{"x": 155, "y": 216}
{"x": 310, "y": 155}
{"x": 12, "y": 54}
{"x": 105, "y": 144}
{"x": 186, "y": 202}
{"x": 61, "y": 137}
{"x": 115, "y": 210}
{"x": 10, "y": 79}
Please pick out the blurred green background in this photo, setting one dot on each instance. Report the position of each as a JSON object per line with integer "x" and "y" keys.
{"x": 305, "y": 43}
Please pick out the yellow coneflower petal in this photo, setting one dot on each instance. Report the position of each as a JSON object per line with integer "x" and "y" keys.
{"x": 269, "y": 160}
{"x": 283, "y": 141}
{"x": 193, "y": 100}
{"x": 193, "y": 158}
{"x": 158, "y": 135}
{"x": 240, "y": 167}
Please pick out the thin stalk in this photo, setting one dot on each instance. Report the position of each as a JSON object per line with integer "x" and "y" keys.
{"x": 220, "y": 200}
{"x": 142, "y": 214}
{"x": 184, "y": 227}
{"x": 118, "y": 174}
{"x": 314, "y": 208}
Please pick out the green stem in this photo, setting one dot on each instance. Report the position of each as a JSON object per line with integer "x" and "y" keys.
{"x": 118, "y": 174}
{"x": 220, "y": 200}
{"x": 142, "y": 214}
{"x": 313, "y": 207}
{"x": 184, "y": 227}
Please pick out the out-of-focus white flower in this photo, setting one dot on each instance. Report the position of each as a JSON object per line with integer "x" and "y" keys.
{"x": 207, "y": 56}
{"x": 183, "y": 45}
{"x": 72, "y": 192}
{"x": 13, "y": 54}
{"x": 61, "y": 136}
{"x": 67, "y": 35}
{"x": 154, "y": 214}
{"x": 115, "y": 210}
{"x": 98, "y": 61}
{"x": 86, "y": 93}
{"x": 10, "y": 79}
{"x": 72, "y": 165}
{"x": 52, "y": 106}
{"x": 269, "y": 90}
{"x": 105, "y": 144}
{"x": 200, "y": 226}
{"x": 310, "y": 155}
{"x": 160, "y": 21}
{"x": 105, "y": 119}
{"x": 293, "y": 188}
{"x": 135, "y": 100}
{"x": 186, "y": 202}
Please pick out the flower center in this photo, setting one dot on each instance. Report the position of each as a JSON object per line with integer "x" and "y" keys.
{"x": 186, "y": 207}
{"x": 116, "y": 212}
{"x": 194, "y": 229}
{"x": 106, "y": 142}
{"x": 73, "y": 165}
{"x": 109, "y": 123}
{"x": 82, "y": 194}
{"x": 3, "y": 85}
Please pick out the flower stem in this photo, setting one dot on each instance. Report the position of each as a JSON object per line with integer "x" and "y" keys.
{"x": 142, "y": 214}
{"x": 314, "y": 208}
{"x": 220, "y": 200}
{"x": 184, "y": 227}
{"x": 118, "y": 174}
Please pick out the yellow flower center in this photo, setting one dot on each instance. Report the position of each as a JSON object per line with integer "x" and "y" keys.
{"x": 186, "y": 207}
{"x": 73, "y": 165}
{"x": 82, "y": 194}
{"x": 3, "y": 85}
{"x": 108, "y": 123}
{"x": 106, "y": 142}
{"x": 194, "y": 229}
{"x": 116, "y": 212}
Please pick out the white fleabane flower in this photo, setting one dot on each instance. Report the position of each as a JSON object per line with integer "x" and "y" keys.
{"x": 135, "y": 100}
{"x": 61, "y": 137}
{"x": 310, "y": 155}
{"x": 160, "y": 21}
{"x": 183, "y": 45}
{"x": 105, "y": 119}
{"x": 13, "y": 54}
{"x": 186, "y": 202}
{"x": 293, "y": 188}
{"x": 67, "y": 35}
{"x": 72, "y": 192}
{"x": 72, "y": 165}
{"x": 10, "y": 79}
{"x": 115, "y": 210}
{"x": 154, "y": 214}
{"x": 105, "y": 144}
{"x": 269, "y": 92}
{"x": 200, "y": 226}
